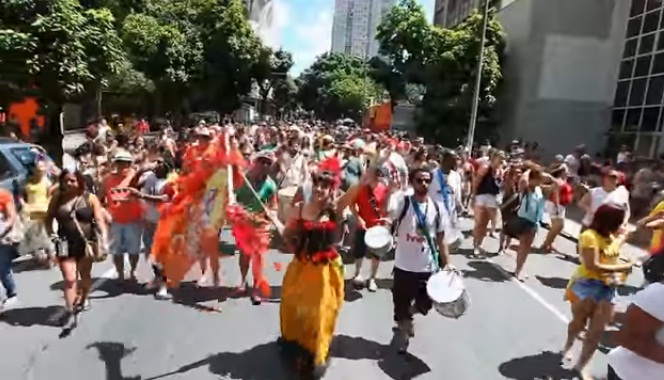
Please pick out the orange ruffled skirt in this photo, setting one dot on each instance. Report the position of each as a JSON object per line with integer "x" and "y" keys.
{"x": 312, "y": 295}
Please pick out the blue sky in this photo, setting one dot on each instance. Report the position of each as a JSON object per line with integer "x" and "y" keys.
{"x": 304, "y": 27}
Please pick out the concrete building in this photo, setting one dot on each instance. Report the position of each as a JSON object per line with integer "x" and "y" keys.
{"x": 354, "y": 26}
{"x": 449, "y": 13}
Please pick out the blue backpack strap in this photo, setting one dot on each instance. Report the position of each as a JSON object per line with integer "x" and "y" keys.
{"x": 422, "y": 223}
{"x": 406, "y": 205}
{"x": 444, "y": 190}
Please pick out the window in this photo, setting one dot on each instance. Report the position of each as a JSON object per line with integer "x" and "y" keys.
{"x": 642, "y": 66}
{"x": 651, "y": 21}
{"x": 658, "y": 65}
{"x": 5, "y": 167}
{"x": 617, "y": 117}
{"x": 653, "y": 4}
{"x": 650, "y": 116}
{"x": 630, "y": 47}
{"x": 626, "y": 69}
{"x": 637, "y": 92}
{"x": 647, "y": 43}
{"x": 655, "y": 90}
{"x": 643, "y": 145}
{"x": 621, "y": 94}
{"x": 633, "y": 119}
{"x": 637, "y": 7}
{"x": 634, "y": 26}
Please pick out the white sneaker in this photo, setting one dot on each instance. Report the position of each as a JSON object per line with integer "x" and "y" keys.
{"x": 162, "y": 293}
{"x": 371, "y": 285}
{"x": 9, "y": 303}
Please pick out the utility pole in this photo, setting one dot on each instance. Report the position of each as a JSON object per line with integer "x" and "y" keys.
{"x": 478, "y": 80}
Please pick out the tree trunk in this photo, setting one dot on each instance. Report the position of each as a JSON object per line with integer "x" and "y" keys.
{"x": 52, "y": 139}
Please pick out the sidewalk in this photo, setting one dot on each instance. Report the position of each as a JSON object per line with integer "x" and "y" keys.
{"x": 636, "y": 247}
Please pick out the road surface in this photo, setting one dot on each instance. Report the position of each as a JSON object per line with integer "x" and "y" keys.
{"x": 511, "y": 331}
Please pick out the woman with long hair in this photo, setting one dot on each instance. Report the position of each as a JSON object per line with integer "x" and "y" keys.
{"x": 313, "y": 285}
{"x": 486, "y": 189}
{"x": 591, "y": 290}
{"x": 37, "y": 191}
{"x": 78, "y": 213}
{"x": 528, "y": 216}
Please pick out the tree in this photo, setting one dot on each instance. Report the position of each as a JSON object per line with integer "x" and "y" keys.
{"x": 446, "y": 106}
{"x": 404, "y": 36}
{"x": 270, "y": 69}
{"x": 57, "y": 51}
{"x": 284, "y": 96}
{"x": 337, "y": 86}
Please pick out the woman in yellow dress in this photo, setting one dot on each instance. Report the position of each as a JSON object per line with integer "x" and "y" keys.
{"x": 592, "y": 289}
{"x": 313, "y": 285}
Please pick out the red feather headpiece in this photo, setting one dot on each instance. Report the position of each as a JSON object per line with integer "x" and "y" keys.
{"x": 331, "y": 166}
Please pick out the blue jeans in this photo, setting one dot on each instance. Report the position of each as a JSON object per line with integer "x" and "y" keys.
{"x": 7, "y": 255}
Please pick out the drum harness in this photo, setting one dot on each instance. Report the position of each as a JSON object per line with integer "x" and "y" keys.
{"x": 421, "y": 223}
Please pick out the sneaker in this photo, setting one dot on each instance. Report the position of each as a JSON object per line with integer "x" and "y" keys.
{"x": 371, "y": 285}
{"x": 85, "y": 306}
{"x": 68, "y": 321}
{"x": 9, "y": 303}
{"x": 162, "y": 293}
{"x": 357, "y": 281}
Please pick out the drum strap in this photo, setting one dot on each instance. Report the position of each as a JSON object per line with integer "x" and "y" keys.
{"x": 422, "y": 223}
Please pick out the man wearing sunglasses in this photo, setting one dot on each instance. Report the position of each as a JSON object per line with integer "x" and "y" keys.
{"x": 420, "y": 252}
{"x": 265, "y": 196}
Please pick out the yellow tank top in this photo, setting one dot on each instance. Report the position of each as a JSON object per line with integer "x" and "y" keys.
{"x": 37, "y": 197}
{"x": 608, "y": 253}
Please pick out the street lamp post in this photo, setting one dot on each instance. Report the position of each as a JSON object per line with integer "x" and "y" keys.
{"x": 478, "y": 79}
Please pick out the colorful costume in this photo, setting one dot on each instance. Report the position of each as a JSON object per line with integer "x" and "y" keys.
{"x": 311, "y": 298}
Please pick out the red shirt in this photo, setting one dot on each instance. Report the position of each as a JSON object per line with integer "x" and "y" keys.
{"x": 565, "y": 194}
{"x": 122, "y": 211}
{"x": 369, "y": 212}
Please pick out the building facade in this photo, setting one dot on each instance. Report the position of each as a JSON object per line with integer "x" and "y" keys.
{"x": 449, "y": 13}
{"x": 354, "y": 26}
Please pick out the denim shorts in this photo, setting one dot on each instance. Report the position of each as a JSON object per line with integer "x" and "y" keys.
{"x": 125, "y": 238}
{"x": 584, "y": 288}
{"x": 148, "y": 237}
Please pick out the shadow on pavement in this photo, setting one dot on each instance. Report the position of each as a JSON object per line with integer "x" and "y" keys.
{"x": 31, "y": 316}
{"x": 553, "y": 282}
{"x": 264, "y": 362}
{"x": 354, "y": 292}
{"x": 30, "y": 265}
{"x": 484, "y": 271}
{"x": 112, "y": 287}
{"x": 112, "y": 353}
{"x": 545, "y": 365}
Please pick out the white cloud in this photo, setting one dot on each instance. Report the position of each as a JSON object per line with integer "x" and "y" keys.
{"x": 313, "y": 39}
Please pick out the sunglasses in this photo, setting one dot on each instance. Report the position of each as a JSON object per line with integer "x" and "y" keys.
{"x": 320, "y": 180}
{"x": 422, "y": 181}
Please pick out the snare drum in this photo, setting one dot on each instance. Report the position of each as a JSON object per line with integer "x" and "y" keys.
{"x": 285, "y": 197}
{"x": 379, "y": 240}
{"x": 448, "y": 294}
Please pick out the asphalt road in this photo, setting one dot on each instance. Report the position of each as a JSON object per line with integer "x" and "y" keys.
{"x": 512, "y": 330}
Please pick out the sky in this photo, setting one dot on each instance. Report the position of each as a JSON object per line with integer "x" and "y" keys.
{"x": 304, "y": 28}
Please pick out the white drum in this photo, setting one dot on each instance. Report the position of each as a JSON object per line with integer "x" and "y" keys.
{"x": 448, "y": 294}
{"x": 379, "y": 240}
{"x": 284, "y": 198}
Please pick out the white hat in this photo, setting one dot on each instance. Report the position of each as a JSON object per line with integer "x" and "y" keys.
{"x": 204, "y": 131}
{"x": 123, "y": 156}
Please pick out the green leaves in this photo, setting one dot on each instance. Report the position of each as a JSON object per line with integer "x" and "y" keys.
{"x": 337, "y": 86}
{"x": 434, "y": 68}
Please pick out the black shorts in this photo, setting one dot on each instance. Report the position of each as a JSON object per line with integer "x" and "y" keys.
{"x": 410, "y": 289}
{"x": 360, "y": 250}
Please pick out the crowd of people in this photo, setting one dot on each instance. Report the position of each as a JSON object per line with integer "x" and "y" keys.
{"x": 317, "y": 184}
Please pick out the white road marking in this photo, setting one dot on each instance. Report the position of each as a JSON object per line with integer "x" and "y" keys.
{"x": 532, "y": 293}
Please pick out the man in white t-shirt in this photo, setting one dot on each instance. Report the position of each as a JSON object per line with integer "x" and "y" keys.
{"x": 420, "y": 252}
{"x": 449, "y": 202}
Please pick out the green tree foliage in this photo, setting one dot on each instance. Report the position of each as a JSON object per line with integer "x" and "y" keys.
{"x": 337, "y": 86}
{"x": 284, "y": 96}
{"x": 435, "y": 69}
{"x": 269, "y": 71}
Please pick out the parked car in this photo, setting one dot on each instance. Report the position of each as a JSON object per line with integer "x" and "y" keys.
{"x": 15, "y": 159}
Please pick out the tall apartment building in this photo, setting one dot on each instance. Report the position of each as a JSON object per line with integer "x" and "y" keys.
{"x": 354, "y": 26}
{"x": 449, "y": 13}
